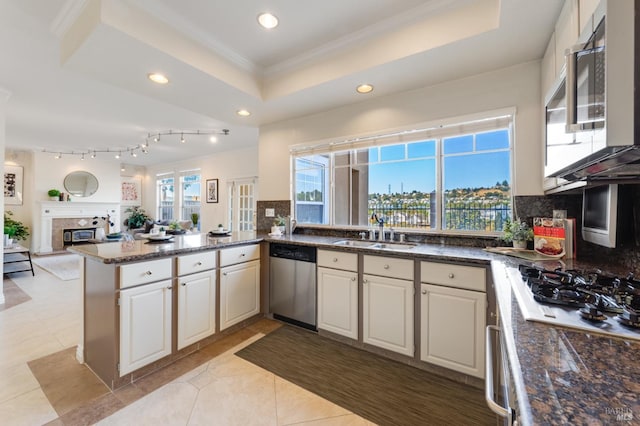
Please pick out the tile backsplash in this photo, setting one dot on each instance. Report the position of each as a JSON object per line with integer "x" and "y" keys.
{"x": 280, "y": 207}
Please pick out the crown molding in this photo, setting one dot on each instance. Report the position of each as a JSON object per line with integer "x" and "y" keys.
{"x": 187, "y": 28}
{"x": 406, "y": 18}
{"x": 68, "y": 14}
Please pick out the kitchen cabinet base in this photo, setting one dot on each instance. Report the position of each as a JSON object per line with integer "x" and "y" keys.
{"x": 114, "y": 382}
{"x": 435, "y": 369}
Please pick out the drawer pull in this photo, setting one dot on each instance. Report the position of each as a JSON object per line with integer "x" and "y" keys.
{"x": 386, "y": 266}
{"x": 335, "y": 259}
{"x": 199, "y": 264}
{"x": 424, "y": 291}
{"x": 451, "y": 275}
{"x": 170, "y": 287}
{"x": 365, "y": 281}
{"x": 242, "y": 255}
{"x": 148, "y": 273}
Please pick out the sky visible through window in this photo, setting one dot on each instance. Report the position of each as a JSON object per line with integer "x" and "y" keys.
{"x": 464, "y": 165}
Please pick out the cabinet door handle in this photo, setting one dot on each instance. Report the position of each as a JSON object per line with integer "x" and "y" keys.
{"x": 335, "y": 259}
{"x": 424, "y": 291}
{"x": 386, "y": 266}
{"x": 353, "y": 278}
{"x": 365, "y": 281}
{"x": 148, "y": 273}
{"x": 451, "y": 275}
{"x": 183, "y": 284}
{"x": 170, "y": 287}
{"x": 224, "y": 273}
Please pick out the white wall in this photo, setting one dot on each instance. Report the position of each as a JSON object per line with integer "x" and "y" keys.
{"x": 225, "y": 166}
{"x": 49, "y": 173}
{"x": 517, "y": 86}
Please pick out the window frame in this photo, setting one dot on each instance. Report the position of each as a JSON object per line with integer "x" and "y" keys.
{"x": 177, "y": 205}
{"x": 474, "y": 124}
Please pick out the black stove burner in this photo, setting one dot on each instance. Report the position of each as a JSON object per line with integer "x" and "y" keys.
{"x": 592, "y": 313}
{"x": 630, "y": 317}
{"x": 579, "y": 289}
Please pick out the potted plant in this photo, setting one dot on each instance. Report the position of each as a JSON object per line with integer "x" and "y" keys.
{"x": 137, "y": 217}
{"x": 518, "y": 232}
{"x": 280, "y": 223}
{"x": 194, "y": 219}
{"x": 54, "y": 194}
{"x": 14, "y": 229}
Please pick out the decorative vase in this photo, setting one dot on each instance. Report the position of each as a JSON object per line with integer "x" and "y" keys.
{"x": 8, "y": 242}
{"x": 56, "y": 198}
{"x": 521, "y": 244}
{"x": 100, "y": 235}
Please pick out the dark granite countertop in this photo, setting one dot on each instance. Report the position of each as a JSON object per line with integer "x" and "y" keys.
{"x": 136, "y": 250}
{"x": 563, "y": 375}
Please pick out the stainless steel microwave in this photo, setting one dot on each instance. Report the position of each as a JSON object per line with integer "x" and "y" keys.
{"x": 591, "y": 120}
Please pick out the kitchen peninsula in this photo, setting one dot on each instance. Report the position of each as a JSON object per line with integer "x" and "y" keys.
{"x": 133, "y": 322}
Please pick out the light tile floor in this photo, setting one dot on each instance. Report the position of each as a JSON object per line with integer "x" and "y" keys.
{"x": 225, "y": 391}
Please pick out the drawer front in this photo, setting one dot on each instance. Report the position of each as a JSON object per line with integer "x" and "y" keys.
{"x": 458, "y": 276}
{"x": 338, "y": 260}
{"x": 145, "y": 272}
{"x": 389, "y": 267}
{"x": 231, "y": 256}
{"x": 197, "y": 262}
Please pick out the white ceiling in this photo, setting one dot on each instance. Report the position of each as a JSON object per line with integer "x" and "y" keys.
{"x": 76, "y": 69}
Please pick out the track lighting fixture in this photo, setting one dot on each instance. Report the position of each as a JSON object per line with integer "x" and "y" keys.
{"x": 144, "y": 146}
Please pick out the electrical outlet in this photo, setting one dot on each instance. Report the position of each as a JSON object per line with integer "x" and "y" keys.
{"x": 269, "y": 212}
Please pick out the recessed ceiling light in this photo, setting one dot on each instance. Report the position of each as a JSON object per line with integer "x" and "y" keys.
{"x": 213, "y": 139}
{"x": 364, "y": 88}
{"x": 158, "y": 78}
{"x": 243, "y": 113}
{"x": 267, "y": 20}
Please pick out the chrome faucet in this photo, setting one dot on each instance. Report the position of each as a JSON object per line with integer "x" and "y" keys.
{"x": 381, "y": 224}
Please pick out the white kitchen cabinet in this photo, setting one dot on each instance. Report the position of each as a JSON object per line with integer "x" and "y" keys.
{"x": 338, "y": 301}
{"x": 145, "y": 325}
{"x": 239, "y": 292}
{"x": 388, "y": 313}
{"x": 586, "y": 9}
{"x": 566, "y": 32}
{"x": 196, "y": 307}
{"x": 548, "y": 68}
{"x": 196, "y": 297}
{"x": 453, "y": 309}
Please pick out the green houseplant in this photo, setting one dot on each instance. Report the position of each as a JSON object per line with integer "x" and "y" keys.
{"x": 194, "y": 219}
{"x": 53, "y": 194}
{"x": 14, "y": 228}
{"x": 137, "y": 217}
{"x": 518, "y": 232}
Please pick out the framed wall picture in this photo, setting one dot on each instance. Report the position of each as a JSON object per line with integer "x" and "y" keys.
{"x": 13, "y": 185}
{"x": 131, "y": 190}
{"x": 212, "y": 190}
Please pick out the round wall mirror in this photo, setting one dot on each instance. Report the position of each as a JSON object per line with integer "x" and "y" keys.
{"x": 81, "y": 184}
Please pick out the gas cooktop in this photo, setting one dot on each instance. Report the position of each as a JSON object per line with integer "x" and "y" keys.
{"x": 586, "y": 300}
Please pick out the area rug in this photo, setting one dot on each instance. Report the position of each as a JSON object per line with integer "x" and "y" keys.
{"x": 380, "y": 390}
{"x": 66, "y": 266}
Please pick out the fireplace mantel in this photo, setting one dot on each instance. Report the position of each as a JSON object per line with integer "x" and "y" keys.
{"x": 50, "y": 210}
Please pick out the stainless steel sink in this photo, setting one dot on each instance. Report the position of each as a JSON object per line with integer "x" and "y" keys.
{"x": 355, "y": 243}
{"x": 393, "y": 246}
{"x": 375, "y": 244}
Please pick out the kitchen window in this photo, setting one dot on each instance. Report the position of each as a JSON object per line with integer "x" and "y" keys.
{"x": 451, "y": 178}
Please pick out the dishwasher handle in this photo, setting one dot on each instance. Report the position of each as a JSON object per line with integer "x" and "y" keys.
{"x": 488, "y": 380}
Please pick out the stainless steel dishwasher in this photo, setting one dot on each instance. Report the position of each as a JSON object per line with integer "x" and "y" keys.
{"x": 292, "y": 276}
